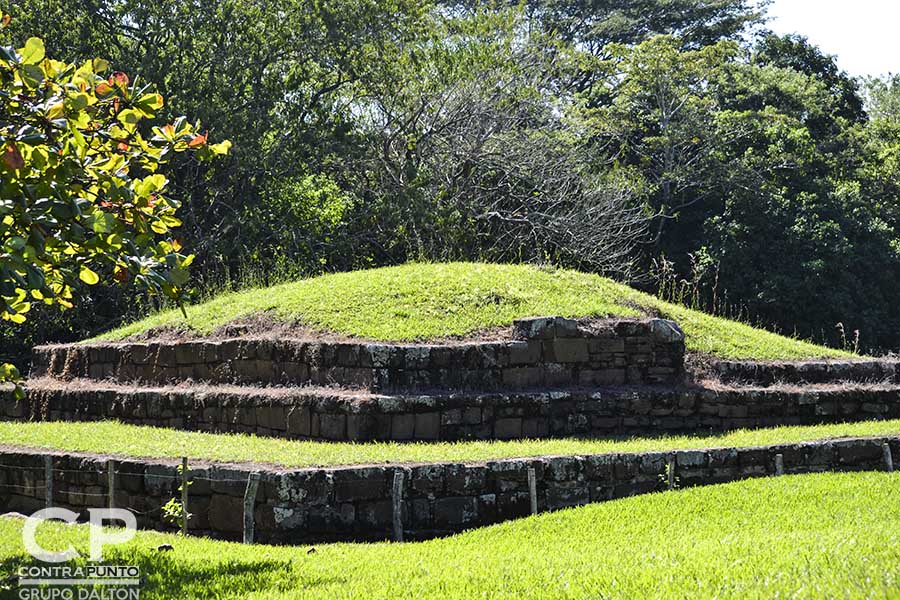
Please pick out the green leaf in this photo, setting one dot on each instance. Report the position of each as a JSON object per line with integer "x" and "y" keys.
{"x": 33, "y": 52}
{"x": 15, "y": 243}
{"x": 9, "y": 372}
{"x": 88, "y": 276}
{"x": 104, "y": 222}
{"x": 32, "y": 75}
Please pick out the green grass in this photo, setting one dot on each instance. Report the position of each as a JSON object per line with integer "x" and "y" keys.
{"x": 138, "y": 441}
{"x": 809, "y": 536}
{"x": 430, "y": 301}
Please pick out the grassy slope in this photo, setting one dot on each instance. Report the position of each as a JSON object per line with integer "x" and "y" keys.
{"x": 131, "y": 440}
{"x": 811, "y": 536}
{"x": 427, "y": 301}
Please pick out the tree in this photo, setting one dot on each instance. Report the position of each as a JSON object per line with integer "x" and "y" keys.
{"x": 592, "y": 25}
{"x": 663, "y": 119}
{"x": 81, "y": 192}
{"x": 482, "y": 156}
{"x": 273, "y": 76}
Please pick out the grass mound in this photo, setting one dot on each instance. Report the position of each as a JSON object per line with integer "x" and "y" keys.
{"x": 109, "y": 437}
{"x": 810, "y": 536}
{"x": 431, "y": 301}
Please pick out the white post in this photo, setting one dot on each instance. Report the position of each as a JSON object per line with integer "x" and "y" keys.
{"x": 671, "y": 472}
{"x": 779, "y": 464}
{"x": 249, "y": 503}
{"x": 111, "y": 483}
{"x": 184, "y": 495}
{"x": 397, "y": 501}
{"x": 888, "y": 459}
{"x": 532, "y": 490}
{"x": 48, "y": 481}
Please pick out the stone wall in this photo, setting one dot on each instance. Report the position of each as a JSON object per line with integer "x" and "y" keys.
{"x": 311, "y": 505}
{"x": 882, "y": 370}
{"x": 302, "y": 413}
{"x": 547, "y": 352}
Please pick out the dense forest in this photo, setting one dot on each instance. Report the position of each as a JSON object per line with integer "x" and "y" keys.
{"x": 675, "y": 144}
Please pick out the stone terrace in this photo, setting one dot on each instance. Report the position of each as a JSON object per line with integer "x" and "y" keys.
{"x": 552, "y": 352}
{"x": 556, "y": 377}
{"x": 329, "y": 414}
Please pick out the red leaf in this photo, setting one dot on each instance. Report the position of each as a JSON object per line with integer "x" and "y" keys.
{"x": 121, "y": 275}
{"x": 118, "y": 77}
{"x": 123, "y": 146}
{"x": 199, "y": 140}
{"x": 12, "y": 158}
{"x": 6, "y": 20}
{"x": 103, "y": 89}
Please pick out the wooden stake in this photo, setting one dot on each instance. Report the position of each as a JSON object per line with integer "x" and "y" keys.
{"x": 888, "y": 459}
{"x": 184, "y": 495}
{"x": 779, "y": 464}
{"x": 397, "y": 500}
{"x": 249, "y": 503}
{"x": 532, "y": 490}
{"x": 111, "y": 483}
{"x": 48, "y": 481}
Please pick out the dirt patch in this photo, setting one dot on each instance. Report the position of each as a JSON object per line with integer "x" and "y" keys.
{"x": 267, "y": 326}
{"x": 274, "y": 391}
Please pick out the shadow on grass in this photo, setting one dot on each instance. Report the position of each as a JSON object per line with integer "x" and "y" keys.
{"x": 166, "y": 575}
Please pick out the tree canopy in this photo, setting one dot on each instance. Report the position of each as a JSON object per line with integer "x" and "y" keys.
{"x": 676, "y": 143}
{"x": 82, "y": 194}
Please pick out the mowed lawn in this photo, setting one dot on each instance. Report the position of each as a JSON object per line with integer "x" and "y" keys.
{"x": 431, "y": 301}
{"x": 110, "y": 437}
{"x": 808, "y": 536}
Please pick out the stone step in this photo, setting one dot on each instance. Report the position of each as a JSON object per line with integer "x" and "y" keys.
{"x": 360, "y": 415}
{"x": 547, "y": 351}
{"x": 880, "y": 370}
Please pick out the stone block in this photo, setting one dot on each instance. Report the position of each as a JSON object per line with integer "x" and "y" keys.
{"x": 559, "y": 374}
{"x": 332, "y": 427}
{"x": 455, "y": 511}
{"x": 524, "y": 353}
{"x": 506, "y": 429}
{"x": 465, "y": 480}
{"x": 565, "y": 468}
{"x": 298, "y": 421}
{"x": 522, "y": 377}
{"x": 566, "y": 350}
{"x": 859, "y": 453}
{"x": 421, "y": 513}
{"x": 375, "y": 515}
{"x": 666, "y": 331}
{"x": 226, "y": 514}
{"x": 567, "y": 493}
{"x": 607, "y": 346}
{"x": 601, "y": 376}
{"x": 427, "y": 479}
{"x": 471, "y": 416}
{"x": 427, "y": 426}
{"x": 535, "y": 428}
{"x": 452, "y": 416}
{"x": 272, "y": 417}
{"x": 403, "y": 427}
{"x": 536, "y": 328}
{"x": 417, "y": 357}
{"x": 368, "y": 427}
{"x": 691, "y": 459}
{"x": 353, "y": 485}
